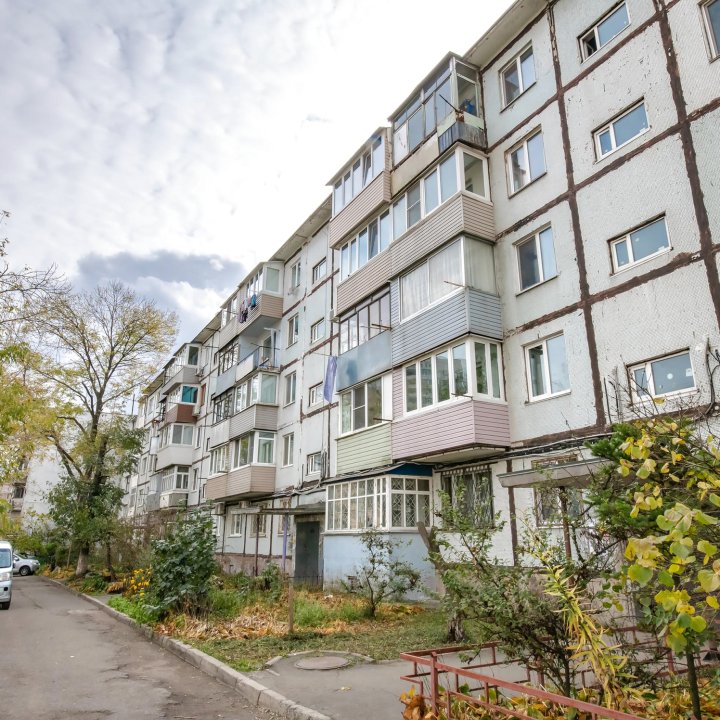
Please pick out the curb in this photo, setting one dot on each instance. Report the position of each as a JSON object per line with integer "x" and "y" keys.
{"x": 255, "y": 693}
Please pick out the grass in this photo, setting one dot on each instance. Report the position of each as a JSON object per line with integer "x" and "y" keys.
{"x": 382, "y": 639}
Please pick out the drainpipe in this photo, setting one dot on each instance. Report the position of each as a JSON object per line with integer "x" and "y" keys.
{"x": 513, "y": 519}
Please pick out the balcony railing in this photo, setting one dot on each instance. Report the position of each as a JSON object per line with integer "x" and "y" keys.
{"x": 260, "y": 358}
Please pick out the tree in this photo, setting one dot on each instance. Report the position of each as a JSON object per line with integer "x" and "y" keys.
{"x": 669, "y": 472}
{"x": 100, "y": 346}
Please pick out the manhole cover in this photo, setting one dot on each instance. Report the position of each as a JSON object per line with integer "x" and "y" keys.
{"x": 324, "y": 662}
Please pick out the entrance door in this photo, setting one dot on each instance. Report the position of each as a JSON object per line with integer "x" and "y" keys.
{"x": 307, "y": 554}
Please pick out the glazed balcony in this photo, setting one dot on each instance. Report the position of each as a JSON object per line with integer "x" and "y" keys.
{"x": 245, "y": 482}
{"x": 174, "y": 455}
{"x": 186, "y": 375}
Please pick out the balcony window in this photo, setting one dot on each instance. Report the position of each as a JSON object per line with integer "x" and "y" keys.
{"x": 176, "y": 434}
{"x": 362, "y": 406}
{"x": 242, "y": 451}
{"x": 254, "y": 447}
{"x": 223, "y": 406}
{"x": 463, "y": 262}
{"x": 228, "y": 356}
{"x": 459, "y": 170}
{"x": 219, "y": 459}
{"x": 365, "y": 322}
{"x": 263, "y": 389}
{"x": 266, "y": 447}
{"x": 454, "y": 85}
{"x": 384, "y": 502}
{"x": 446, "y": 375}
{"x": 175, "y": 478}
{"x": 360, "y": 173}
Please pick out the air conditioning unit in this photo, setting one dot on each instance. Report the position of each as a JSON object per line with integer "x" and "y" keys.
{"x": 196, "y": 409}
{"x": 218, "y": 508}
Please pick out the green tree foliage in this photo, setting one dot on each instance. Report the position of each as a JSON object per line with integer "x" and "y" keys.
{"x": 383, "y": 575}
{"x": 100, "y": 346}
{"x": 669, "y": 472}
{"x": 183, "y": 563}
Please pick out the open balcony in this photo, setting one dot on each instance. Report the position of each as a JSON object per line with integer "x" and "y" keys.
{"x": 267, "y": 308}
{"x": 174, "y": 455}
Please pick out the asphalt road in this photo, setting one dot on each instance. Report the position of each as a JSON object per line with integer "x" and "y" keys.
{"x": 63, "y": 659}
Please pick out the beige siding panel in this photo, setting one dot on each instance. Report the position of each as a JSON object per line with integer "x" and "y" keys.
{"x": 256, "y": 417}
{"x": 219, "y": 433}
{"x": 365, "y": 281}
{"x": 479, "y": 217}
{"x": 457, "y": 425}
{"x": 398, "y": 391}
{"x": 271, "y": 305}
{"x": 492, "y": 423}
{"x": 228, "y": 332}
{"x": 216, "y": 487}
{"x": 364, "y": 450}
{"x": 432, "y": 232}
{"x": 414, "y": 164}
{"x": 360, "y": 209}
{"x": 253, "y": 479}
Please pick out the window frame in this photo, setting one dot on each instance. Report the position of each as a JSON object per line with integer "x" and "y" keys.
{"x": 713, "y": 43}
{"x": 547, "y": 379}
{"x": 651, "y": 395}
{"x": 288, "y": 459}
{"x": 316, "y": 462}
{"x": 595, "y": 32}
{"x": 315, "y": 395}
{"x": 295, "y": 274}
{"x": 535, "y": 237}
{"x": 450, "y": 481}
{"x": 515, "y": 61}
{"x": 609, "y": 127}
{"x": 233, "y": 531}
{"x": 369, "y": 422}
{"x": 626, "y": 238}
{"x": 317, "y": 330}
{"x": 290, "y": 394}
{"x": 293, "y": 329}
{"x": 523, "y": 143}
{"x": 352, "y": 319}
{"x": 319, "y": 271}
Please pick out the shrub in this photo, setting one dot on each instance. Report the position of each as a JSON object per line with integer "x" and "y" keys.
{"x": 138, "y": 611}
{"x": 183, "y": 564}
{"x": 225, "y": 604}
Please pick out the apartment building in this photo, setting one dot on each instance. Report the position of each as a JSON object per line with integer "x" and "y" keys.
{"x": 526, "y": 255}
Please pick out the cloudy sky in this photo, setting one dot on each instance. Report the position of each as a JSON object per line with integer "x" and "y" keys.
{"x": 153, "y": 140}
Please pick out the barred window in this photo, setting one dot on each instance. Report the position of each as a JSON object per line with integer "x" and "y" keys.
{"x": 470, "y": 492}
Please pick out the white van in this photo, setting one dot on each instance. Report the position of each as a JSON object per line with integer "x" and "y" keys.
{"x": 6, "y": 574}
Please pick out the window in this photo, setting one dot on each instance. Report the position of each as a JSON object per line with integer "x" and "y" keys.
{"x": 236, "y": 519}
{"x": 259, "y": 523}
{"x": 604, "y": 31}
{"x": 284, "y": 520}
{"x": 295, "y": 275}
{"x": 196, "y": 476}
{"x": 317, "y": 330}
{"x": 219, "y": 460}
{"x": 223, "y": 406}
{"x": 359, "y": 174}
{"x": 293, "y": 330}
{"x": 470, "y": 368}
{"x": 176, "y": 434}
{"x": 290, "y": 388}
{"x": 242, "y": 451}
{"x": 621, "y": 130}
{"x": 470, "y": 492}
{"x": 536, "y": 259}
{"x": 639, "y": 244}
{"x": 319, "y": 271}
{"x": 266, "y": 447}
{"x": 288, "y": 449}
{"x": 365, "y": 322}
{"x": 361, "y": 406}
{"x": 384, "y": 502}
{"x": 548, "y": 505}
{"x": 547, "y": 368}
{"x": 315, "y": 394}
{"x": 664, "y": 376}
{"x": 462, "y": 263}
{"x": 518, "y": 75}
{"x": 175, "y": 478}
{"x": 228, "y": 357}
{"x": 314, "y": 463}
{"x": 711, "y": 11}
{"x": 189, "y": 394}
{"x": 526, "y": 162}
{"x": 459, "y": 170}
{"x": 263, "y": 389}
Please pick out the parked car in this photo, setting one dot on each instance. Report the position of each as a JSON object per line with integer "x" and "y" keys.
{"x": 6, "y": 573}
{"x": 25, "y": 565}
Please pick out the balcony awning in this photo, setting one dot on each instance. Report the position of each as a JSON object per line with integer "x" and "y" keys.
{"x": 314, "y": 509}
{"x": 572, "y": 474}
{"x": 394, "y": 469}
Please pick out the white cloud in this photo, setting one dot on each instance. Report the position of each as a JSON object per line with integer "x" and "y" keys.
{"x": 197, "y": 127}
